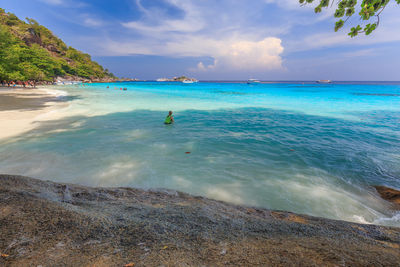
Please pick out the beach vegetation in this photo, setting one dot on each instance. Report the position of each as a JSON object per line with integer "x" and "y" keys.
{"x": 368, "y": 10}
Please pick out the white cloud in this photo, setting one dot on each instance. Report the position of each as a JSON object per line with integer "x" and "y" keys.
{"x": 154, "y": 22}
{"x": 201, "y": 67}
{"x": 53, "y": 2}
{"x": 244, "y": 55}
{"x": 359, "y": 53}
{"x": 205, "y": 32}
{"x": 91, "y": 22}
{"x": 65, "y": 3}
{"x": 198, "y": 46}
{"x": 167, "y": 26}
{"x": 232, "y": 34}
{"x": 286, "y": 4}
{"x": 387, "y": 32}
{"x": 228, "y": 53}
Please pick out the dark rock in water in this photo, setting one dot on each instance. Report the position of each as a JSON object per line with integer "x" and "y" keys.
{"x": 51, "y": 224}
{"x": 389, "y": 194}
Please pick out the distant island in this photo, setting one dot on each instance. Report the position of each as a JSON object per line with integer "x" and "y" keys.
{"x": 31, "y": 52}
{"x": 177, "y": 79}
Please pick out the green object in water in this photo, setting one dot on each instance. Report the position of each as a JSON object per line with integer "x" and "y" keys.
{"x": 168, "y": 120}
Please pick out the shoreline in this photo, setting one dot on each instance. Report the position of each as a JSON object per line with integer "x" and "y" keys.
{"x": 22, "y": 109}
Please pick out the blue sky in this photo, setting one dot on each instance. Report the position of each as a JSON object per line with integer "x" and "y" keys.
{"x": 219, "y": 39}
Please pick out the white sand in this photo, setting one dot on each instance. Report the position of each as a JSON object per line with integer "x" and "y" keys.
{"x": 21, "y": 110}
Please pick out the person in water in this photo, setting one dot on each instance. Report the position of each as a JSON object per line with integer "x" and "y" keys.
{"x": 169, "y": 119}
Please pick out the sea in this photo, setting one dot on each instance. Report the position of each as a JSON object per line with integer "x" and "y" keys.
{"x": 303, "y": 147}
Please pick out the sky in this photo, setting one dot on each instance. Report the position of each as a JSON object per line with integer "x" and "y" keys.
{"x": 220, "y": 39}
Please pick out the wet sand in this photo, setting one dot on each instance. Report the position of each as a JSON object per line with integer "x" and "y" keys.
{"x": 22, "y": 110}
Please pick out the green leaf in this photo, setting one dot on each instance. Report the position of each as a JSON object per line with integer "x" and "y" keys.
{"x": 339, "y": 24}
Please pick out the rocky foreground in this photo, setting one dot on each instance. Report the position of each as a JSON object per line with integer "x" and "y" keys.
{"x": 49, "y": 224}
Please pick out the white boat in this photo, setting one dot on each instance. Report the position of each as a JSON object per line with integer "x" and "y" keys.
{"x": 252, "y": 81}
{"x": 324, "y": 81}
{"x": 188, "y": 81}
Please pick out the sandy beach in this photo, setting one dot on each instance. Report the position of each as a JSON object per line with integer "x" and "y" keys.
{"x": 23, "y": 109}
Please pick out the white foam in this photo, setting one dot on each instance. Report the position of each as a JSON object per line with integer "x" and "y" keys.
{"x": 229, "y": 192}
{"x": 360, "y": 219}
{"x": 182, "y": 182}
{"x": 122, "y": 171}
{"x": 321, "y": 195}
{"x": 55, "y": 92}
{"x": 389, "y": 221}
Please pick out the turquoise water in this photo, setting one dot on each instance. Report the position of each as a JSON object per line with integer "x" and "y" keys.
{"x": 305, "y": 148}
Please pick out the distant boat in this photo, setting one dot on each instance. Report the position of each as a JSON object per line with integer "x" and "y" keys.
{"x": 324, "y": 81}
{"x": 188, "y": 81}
{"x": 162, "y": 80}
{"x": 252, "y": 81}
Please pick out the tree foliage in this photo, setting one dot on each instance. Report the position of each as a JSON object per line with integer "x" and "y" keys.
{"x": 368, "y": 10}
{"x": 29, "y": 51}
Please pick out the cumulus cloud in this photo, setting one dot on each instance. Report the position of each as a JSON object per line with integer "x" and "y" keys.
{"x": 227, "y": 53}
{"x": 205, "y": 32}
{"x": 245, "y": 55}
{"x": 232, "y": 37}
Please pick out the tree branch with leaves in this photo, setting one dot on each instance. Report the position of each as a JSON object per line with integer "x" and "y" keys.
{"x": 369, "y": 10}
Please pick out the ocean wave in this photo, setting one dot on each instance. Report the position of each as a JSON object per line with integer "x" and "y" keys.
{"x": 55, "y": 92}
{"x": 389, "y": 221}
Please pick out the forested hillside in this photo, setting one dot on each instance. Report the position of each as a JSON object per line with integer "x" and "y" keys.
{"x": 29, "y": 51}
